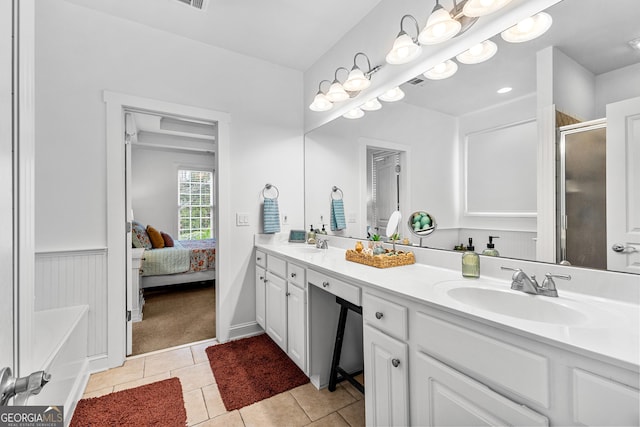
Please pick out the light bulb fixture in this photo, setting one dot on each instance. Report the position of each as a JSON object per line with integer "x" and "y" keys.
{"x": 440, "y": 26}
{"x": 405, "y": 48}
{"x": 371, "y": 105}
{"x": 528, "y": 29}
{"x": 478, "y": 53}
{"x": 336, "y": 90}
{"x": 356, "y": 113}
{"x": 392, "y": 95}
{"x": 442, "y": 71}
{"x": 357, "y": 80}
{"x": 320, "y": 101}
{"x": 478, "y": 8}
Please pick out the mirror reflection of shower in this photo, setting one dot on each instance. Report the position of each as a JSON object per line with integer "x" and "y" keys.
{"x": 383, "y": 187}
{"x": 582, "y": 221}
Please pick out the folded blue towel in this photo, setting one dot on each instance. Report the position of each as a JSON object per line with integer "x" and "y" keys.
{"x": 337, "y": 215}
{"x": 271, "y": 216}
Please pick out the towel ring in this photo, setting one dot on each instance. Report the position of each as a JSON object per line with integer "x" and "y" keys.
{"x": 335, "y": 191}
{"x": 268, "y": 187}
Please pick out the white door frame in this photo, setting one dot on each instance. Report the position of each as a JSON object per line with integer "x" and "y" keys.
{"x": 116, "y": 103}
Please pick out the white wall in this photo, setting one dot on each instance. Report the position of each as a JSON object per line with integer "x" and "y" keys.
{"x": 80, "y": 53}
{"x": 573, "y": 87}
{"x": 615, "y": 86}
{"x": 154, "y": 184}
{"x": 500, "y": 115}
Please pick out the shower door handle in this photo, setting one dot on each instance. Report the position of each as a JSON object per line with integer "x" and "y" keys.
{"x": 618, "y": 247}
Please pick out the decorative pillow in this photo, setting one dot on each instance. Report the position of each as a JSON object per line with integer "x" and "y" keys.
{"x": 168, "y": 240}
{"x": 139, "y": 236}
{"x": 156, "y": 238}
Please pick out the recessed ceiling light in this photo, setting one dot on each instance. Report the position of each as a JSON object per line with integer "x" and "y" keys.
{"x": 635, "y": 43}
{"x": 504, "y": 90}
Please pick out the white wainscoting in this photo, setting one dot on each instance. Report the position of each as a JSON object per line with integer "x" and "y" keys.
{"x": 70, "y": 278}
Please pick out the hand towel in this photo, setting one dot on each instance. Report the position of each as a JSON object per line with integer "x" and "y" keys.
{"x": 337, "y": 215}
{"x": 271, "y": 216}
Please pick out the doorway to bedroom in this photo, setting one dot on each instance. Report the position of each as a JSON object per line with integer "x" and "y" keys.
{"x": 171, "y": 203}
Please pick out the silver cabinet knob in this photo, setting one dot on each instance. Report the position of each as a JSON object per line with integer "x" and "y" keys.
{"x": 288, "y": 293}
{"x": 325, "y": 284}
{"x": 379, "y": 315}
{"x": 395, "y": 362}
{"x": 293, "y": 274}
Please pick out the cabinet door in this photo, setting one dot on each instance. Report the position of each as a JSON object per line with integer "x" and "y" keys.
{"x": 386, "y": 379}
{"x": 296, "y": 322}
{"x": 445, "y": 396}
{"x": 276, "y": 309}
{"x": 260, "y": 296}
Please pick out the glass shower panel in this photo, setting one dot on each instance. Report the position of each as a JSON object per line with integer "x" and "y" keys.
{"x": 583, "y": 196}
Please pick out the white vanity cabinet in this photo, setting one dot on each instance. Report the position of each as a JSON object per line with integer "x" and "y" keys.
{"x": 386, "y": 359}
{"x": 281, "y": 304}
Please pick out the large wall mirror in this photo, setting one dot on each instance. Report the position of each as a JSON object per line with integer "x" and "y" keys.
{"x": 469, "y": 155}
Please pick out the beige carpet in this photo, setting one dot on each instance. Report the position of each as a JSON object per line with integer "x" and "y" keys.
{"x": 175, "y": 315}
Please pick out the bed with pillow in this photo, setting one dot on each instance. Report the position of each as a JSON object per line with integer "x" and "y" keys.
{"x": 169, "y": 262}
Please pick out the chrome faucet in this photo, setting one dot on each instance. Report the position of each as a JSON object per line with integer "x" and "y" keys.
{"x": 524, "y": 283}
{"x": 322, "y": 243}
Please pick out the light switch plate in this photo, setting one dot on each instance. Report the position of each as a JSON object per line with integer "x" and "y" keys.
{"x": 242, "y": 219}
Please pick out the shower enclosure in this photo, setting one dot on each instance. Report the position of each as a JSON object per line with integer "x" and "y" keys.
{"x": 582, "y": 222}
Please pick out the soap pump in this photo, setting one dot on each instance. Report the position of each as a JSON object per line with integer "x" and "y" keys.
{"x": 324, "y": 230}
{"x": 470, "y": 262}
{"x": 311, "y": 237}
{"x": 491, "y": 250}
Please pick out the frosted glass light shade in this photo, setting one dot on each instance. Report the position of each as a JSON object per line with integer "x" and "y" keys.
{"x": 356, "y": 81}
{"x": 440, "y": 27}
{"x": 356, "y": 113}
{"x": 404, "y": 50}
{"x": 320, "y": 103}
{"x": 337, "y": 93}
{"x": 475, "y": 8}
{"x": 441, "y": 71}
{"x": 371, "y": 105}
{"x": 392, "y": 95}
{"x": 528, "y": 29}
{"x": 478, "y": 53}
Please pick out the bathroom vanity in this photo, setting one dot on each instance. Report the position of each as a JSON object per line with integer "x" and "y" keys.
{"x": 438, "y": 349}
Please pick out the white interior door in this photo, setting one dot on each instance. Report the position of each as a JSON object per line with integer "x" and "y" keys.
{"x": 130, "y": 133}
{"x": 623, "y": 186}
{"x": 386, "y": 191}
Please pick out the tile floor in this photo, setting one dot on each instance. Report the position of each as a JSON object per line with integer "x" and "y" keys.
{"x": 300, "y": 406}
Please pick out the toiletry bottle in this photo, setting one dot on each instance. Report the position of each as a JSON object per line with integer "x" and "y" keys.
{"x": 470, "y": 262}
{"x": 491, "y": 248}
{"x": 311, "y": 237}
{"x": 323, "y": 231}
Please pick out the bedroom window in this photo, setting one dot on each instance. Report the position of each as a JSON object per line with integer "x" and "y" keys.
{"x": 195, "y": 204}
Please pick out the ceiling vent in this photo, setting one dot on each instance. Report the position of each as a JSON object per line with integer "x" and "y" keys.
{"x": 416, "y": 81}
{"x": 197, "y": 4}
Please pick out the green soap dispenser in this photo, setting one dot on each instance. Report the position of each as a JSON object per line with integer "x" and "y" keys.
{"x": 470, "y": 262}
{"x": 491, "y": 248}
{"x": 311, "y": 236}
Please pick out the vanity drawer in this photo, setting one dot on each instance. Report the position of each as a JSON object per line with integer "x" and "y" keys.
{"x": 385, "y": 315}
{"x": 485, "y": 358}
{"x": 337, "y": 287}
{"x": 277, "y": 266}
{"x": 296, "y": 275}
{"x": 261, "y": 259}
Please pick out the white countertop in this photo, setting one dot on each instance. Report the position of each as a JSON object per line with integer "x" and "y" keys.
{"x": 606, "y": 329}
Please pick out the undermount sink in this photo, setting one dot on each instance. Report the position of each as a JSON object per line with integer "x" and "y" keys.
{"x": 309, "y": 250}
{"x": 517, "y": 304}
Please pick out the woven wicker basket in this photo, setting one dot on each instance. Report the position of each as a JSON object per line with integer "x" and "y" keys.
{"x": 381, "y": 261}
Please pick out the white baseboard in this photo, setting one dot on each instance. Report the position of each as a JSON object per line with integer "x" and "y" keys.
{"x": 98, "y": 363}
{"x": 244, "y": 330}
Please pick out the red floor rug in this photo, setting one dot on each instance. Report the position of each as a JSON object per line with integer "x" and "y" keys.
{"x": 252, "y": 369}
{"x": 155, "y": 404}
